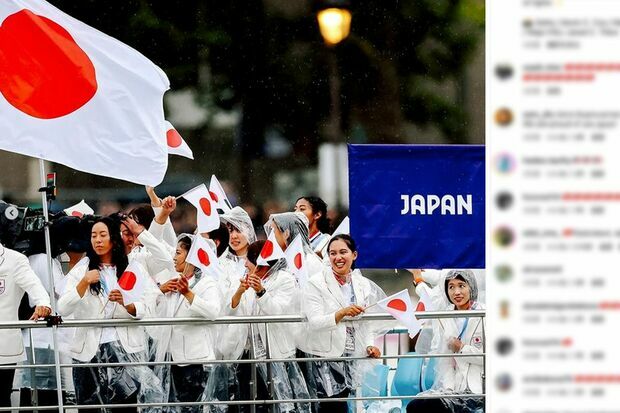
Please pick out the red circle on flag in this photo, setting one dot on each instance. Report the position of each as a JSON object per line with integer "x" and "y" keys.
{"x": 173, "y": 138}
{"x": 77, "y": 214}
{"x": 127, "y": 280}
{"x": 45, "y": 74}
{"x": 267, "y": 249}
{"x": 213, "y": 196}
{"x": 205, "y": 205}
{"x": 397, "y": 304}
{"x": 298, "y": 261}
{"x": 203, "y": 257}
{"x": 420, "y": 307}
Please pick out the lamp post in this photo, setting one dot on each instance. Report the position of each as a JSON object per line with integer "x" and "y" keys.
{"x": 334, "y": 19}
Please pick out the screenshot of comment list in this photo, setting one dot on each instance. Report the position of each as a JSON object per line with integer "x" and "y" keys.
{"x": 553, "y": 246}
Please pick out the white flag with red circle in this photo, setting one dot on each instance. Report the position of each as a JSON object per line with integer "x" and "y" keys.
{"x": 343, "y": 228}
{"x": 218, "y": 195}
{"x": 400, "y": 307}
{"x": 426, "y": 302}
{"x": 270, "y": 251}
{"x": 76, "y": 96}
{"x": 204, "y": 257}
{"x": 79, "y": 210}
{"x": 176, "y": 143}
{"x": 207, "y": 217}
{"x": 132, "y": 283}
{"x": 296, "y": 261}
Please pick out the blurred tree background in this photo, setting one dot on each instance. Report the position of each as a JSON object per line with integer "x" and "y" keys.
{"x": 250, "y": 80}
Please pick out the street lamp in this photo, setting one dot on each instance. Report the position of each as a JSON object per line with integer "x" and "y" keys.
{"x": 334, "y": 19}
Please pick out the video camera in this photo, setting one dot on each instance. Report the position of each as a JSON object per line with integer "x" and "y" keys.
{"x": 22, "y": 229}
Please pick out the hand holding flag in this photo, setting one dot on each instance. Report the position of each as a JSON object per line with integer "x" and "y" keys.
{"x": 132, "y": 284}
{"x": 400, "y": 307}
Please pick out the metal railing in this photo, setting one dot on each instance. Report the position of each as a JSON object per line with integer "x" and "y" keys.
{"x": 266, "y": 320}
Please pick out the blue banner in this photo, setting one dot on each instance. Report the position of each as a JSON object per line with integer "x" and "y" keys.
{"x": 417, "y": 206}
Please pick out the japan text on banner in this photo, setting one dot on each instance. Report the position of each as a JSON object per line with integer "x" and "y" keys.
{"x": 417, "y": 206}
{"x": 73, "y": 95}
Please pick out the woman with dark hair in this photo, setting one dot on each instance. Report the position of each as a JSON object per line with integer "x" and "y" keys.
{"x": 338, "y": 294}
{"x": 189, "y": 293}
{"x": 268, "y": 290}
{"x": 315, "y": 209}
{"x": 91, "y": 293}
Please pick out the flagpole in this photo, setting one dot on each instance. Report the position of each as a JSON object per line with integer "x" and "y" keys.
{"x": 48, "y": 250}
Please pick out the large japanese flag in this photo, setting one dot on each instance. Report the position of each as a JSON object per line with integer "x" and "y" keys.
{"x": 400, "y": 307}
{"x": 132, "y": 283}
{"x": 203, "y": 256}
{"x": 206, "y": 209}
{"x": 296, "y": 261}
{"x": 270, "y": 251}
{"x": 73, "y": 95}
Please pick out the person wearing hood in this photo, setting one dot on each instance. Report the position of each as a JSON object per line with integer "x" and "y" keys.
{"x": 191, "y": 294}
{"x": 267, "y": 290}
{"x": 315, "y": 209}
{"x": 461, "y": 375}
{"x": 286, "y": 227}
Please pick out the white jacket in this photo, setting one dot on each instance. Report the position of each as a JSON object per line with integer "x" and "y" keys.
{"x": 16, "y": 277}
{"x": 466, "y": 372}
{"x": 85, "y": 342}
{"x": 279, "y": 299}
{"x": 187, "y": 342}
{"x": 154, "y": 255}
{"x": 321, "y": 299}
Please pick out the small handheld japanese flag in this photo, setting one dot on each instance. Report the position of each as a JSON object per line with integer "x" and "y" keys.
{"x": 79, "y": 210}
{"x": 426, "y": 302}
{"x": 296, "y": 261}
{"x": 132, "y": 283}
{"x": 271, "y": 251}
{"x": 207, "y": 217}
{"x": 176, "y": 144}
{"x": 73, "y": 95}
{"x": 218, "y": 195}
{"x": 203, "y": 256}
{"x": 400, "y": 307}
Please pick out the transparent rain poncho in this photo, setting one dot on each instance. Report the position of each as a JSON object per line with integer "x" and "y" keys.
{"x": 184, "y": 344}
{"x": 231, "y": 381}
{"x": 321, "y": 299}
{"x": 119, "y": 384}
{"x": 292, "y": 224}
{"x": 238, "y": 218}
{"x": 458, "y": 375}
